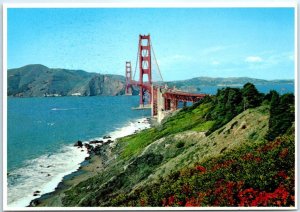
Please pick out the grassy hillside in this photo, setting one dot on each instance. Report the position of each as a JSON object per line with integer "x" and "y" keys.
{"x": 39, "y": 80}
{"x": 209, "y": 154}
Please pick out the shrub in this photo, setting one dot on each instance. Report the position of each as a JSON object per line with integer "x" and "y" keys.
{"x": 180, "y": 144}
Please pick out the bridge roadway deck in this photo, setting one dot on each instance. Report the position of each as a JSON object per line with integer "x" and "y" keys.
{"x": 183, "y": 96}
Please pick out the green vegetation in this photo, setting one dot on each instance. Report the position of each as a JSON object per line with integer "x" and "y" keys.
{"x": 189, "y": 119}
{"x": 232, "y": 179}
{"x": 233, "y": 149}
{"x": 282, "y": 114}
{"x": 230, "y": 102}
{"x": 251, "y": 97}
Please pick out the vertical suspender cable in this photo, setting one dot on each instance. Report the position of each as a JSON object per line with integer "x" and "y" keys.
{"x": 156, "y": 62}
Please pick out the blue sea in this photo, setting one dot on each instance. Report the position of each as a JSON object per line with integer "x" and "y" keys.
{"x": 42, "y": 132}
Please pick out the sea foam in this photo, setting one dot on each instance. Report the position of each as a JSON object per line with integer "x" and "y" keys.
{"x": 42, "y": 174}
{"x": 47, "y": 171}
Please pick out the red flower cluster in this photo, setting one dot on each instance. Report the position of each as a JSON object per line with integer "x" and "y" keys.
{"x": 269, "y": 146}
{"x": 251, "y": 197}
{"x": 142, "y": 202}
{"x": 231, "y": 194}
{"x": 201, "y": 169}
{"x": 195, "y": 202}
{"x": 192, "y": 202}
{"x": 282, "y": 174}
{"x": 224, "y": 193}
{"x": 284, "y": 152}
{"x": 248, "y": 156}
{"x": 169, "y": 201}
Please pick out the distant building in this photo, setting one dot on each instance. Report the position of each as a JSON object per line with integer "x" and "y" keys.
{"x": 76, "y": 94}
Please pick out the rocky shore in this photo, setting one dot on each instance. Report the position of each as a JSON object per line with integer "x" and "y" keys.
{"x": 100, "y": 153}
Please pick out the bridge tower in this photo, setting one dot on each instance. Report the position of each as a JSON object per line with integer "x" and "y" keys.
{"x": 128, "y": 75}
{"x": 145, "y": 68}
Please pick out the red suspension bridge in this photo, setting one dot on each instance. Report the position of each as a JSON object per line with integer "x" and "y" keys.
{"x": 154, "y": 95}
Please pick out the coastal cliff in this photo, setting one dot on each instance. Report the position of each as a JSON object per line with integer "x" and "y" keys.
{"x": 204, "y": 155}
{"x": 39, "y": 80}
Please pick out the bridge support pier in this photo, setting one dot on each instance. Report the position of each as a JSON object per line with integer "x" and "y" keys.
{"x": 128, "y": 76}
{"x": 145, "y": 68}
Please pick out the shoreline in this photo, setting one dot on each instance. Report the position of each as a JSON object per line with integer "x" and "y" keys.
{"x": 91, "y": 166}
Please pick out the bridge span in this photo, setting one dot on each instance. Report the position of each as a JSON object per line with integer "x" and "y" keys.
{"x": 159, "y": 98}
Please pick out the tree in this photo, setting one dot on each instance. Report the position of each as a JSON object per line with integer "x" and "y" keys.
{"x": 251, "y": 97}
{"x": 282, "y": 114}
{"x": 227, "y": 104}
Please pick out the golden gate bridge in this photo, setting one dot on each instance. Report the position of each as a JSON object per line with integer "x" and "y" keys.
{"x": 159, "y": 98}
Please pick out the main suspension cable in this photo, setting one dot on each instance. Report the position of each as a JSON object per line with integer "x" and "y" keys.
{"x": 136, "y": 63}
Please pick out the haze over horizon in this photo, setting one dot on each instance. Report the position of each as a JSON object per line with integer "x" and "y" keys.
{"x": 188, "y": 42}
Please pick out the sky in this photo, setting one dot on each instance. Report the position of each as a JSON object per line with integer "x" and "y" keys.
{"x": 188, "y": 42}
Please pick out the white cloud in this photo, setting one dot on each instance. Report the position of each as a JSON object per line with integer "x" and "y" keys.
{"x": 253, "y": 59}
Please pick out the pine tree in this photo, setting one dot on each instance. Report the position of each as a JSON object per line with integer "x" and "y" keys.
{"x": 251, "y": 97}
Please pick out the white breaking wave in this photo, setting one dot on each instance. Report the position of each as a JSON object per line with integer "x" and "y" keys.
{"x": 47, "y": 171}
{"x": 43, "y": 174}
{"x": 128, "y": 129}
{"x": 63, "y": 108}
{"x": 131, "y": 128}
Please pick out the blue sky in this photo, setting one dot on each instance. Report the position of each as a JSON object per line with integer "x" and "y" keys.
{"x": 190, "y": 42}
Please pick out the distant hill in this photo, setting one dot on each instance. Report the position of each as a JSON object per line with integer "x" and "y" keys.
{"x": 196, "y": 84}
{"x": 39, "y": 80}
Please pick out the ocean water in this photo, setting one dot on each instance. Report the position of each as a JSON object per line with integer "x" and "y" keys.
{"x": 42, "y": 131}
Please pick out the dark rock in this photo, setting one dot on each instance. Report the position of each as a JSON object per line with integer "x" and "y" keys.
{"x": 78, "y": 143}
{"x": 34, "y": 203}
{"x": 49, "y": 166}
{"x": 48, "y": 175}
{"x": 82, "y": 150}
{"x": 98, "y": 150}
{"x": 87, "y": 158}
{"x": 106, "y": 137}
{"x": 96, "y": 142}
{"x": 36, "y": 193}
{"x": 88, "y": 146}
